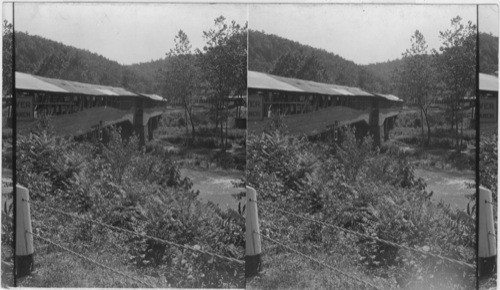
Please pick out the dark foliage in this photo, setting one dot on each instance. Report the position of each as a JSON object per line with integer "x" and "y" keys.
{"x": 40, "y": 56}
{"x": 488, "y": 53}
{"x": 352, "y": 186}
{"x": 120, "y": 184}
{"x": 274, "y": 54}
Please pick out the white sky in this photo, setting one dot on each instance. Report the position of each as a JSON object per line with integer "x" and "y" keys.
{"x": 488, "y": 19}
{"x": 131, "y": 33}
{"x": 127, "y": 33}
{"x": 361, "y": 33}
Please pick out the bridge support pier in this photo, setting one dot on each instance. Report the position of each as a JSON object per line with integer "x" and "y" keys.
{"x": 386, "y": 129}
{"x": 375, "y": 128}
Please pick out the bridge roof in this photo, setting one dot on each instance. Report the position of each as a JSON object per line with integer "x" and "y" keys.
{"x": 153, "y": 97}
{"x": 390, "y": 97}
{"x": 31, "y": 82}
{"x": 488, "y": 82}
{"x": 258, "y": 80}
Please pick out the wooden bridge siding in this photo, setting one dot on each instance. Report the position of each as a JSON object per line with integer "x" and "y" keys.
{"x": 82, "y": 122}
{"x": 88, "y": 120}
{"x": 315, "y": 122}
{"x": 320, "y": 121}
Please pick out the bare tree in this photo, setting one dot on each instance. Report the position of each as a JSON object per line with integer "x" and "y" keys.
{"x": 416, "y": 79}
{"x": 181, "y": 74}
{"x": 456, "y": 64}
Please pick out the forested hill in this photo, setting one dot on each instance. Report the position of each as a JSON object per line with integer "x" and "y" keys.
{"x": 268, "y": 53}
{"x": 44, "y": 57}
{"x": 488, "y": 53}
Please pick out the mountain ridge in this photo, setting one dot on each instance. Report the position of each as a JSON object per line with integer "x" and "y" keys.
{"x": 45, "y": 57}
{"x": 41, "y": 56}
{"x": 266, "y": 49}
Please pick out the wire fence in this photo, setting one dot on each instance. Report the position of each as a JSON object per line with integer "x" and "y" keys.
{"x": 92, "y": 261}
{"x": 465, "y": 264}
{"x": 161, "y": 241}
{"x": 358, "y": 280}
{"x": 490, "y": 202}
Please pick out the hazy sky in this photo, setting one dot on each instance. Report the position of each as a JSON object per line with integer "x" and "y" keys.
{"x": 488, "y": 19}
{"x": 127, "y": 33}
{"x": 361, "y": 33}
{"x": 131, "y": 33}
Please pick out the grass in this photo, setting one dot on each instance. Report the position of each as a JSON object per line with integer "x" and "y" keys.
{"x": 161, "y": 266}
{"x": 204, "y": 152}
{"x": 7, "y": 267}
{"x": 489, "y": 283}
{"x": 57, "y": 265}
{"x": 441, "y": 151}
{"x": 285, "y": 270}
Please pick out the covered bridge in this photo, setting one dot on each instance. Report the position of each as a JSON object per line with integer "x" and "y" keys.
{"x": 77, "y": 108}
{"x": 313, "y": 108}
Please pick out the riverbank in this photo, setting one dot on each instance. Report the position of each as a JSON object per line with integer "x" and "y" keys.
{"x": 217, "y": 186}
{"x": 450, "y": 187}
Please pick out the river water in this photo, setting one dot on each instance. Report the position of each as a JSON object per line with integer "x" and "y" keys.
{"x": 449, "y": 186}
{"x": 218, "y": 186}
{"x": 215, "y": 186}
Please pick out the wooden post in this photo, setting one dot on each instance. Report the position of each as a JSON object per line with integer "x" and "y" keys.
{"x": 24, "y": 241}
{"x": 253, "y": 251}
{"x": 487, "y": 250}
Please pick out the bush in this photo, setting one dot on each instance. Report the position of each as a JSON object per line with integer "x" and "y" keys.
{"x": 488, "y": 163}
{"x": 120, "y": 184}
{"x": 354, "y": 187}
{"x": 353, "y": 154}
{"x": 181, "y": 122}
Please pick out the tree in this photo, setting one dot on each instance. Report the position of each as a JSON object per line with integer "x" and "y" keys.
{"x": 224, "y": 67}
{"x": 298, "y": 65}
{"x": 456, "y": 64}
{"x": 416, "y": 78}
{"x": 7, "y": 58}
{"x": 288, "y": 64}
{"x": 353, "y": 154}
{"x": 488, "y": 53}
{"x": 180, "y": 77}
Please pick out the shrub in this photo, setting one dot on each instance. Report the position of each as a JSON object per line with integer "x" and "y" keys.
{"x": 181, "y": 122}
{"x": 488, "y": 163}
{"x": 355, "y": 187}
{"x": 120, "y": 184}
{"x": 353, "y": 153}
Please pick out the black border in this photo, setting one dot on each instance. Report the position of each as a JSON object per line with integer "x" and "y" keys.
{"x": 478, "y": 133}
{"x": 14, "y": 138}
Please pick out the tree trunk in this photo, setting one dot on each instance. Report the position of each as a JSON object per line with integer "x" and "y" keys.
{"x": 452, "y": 119}
{"x": 428, "y": 127}
{"x": 461, "y": 133}
{"x": 216, "y": 109}
{"x": 193, "y": 133}
{"x": 457, "y": 132}
{"x": 227, "y": 121}
{"x": 422, "y": 126}
{"x": 222, "y": 137}
{"x": 186, "y": 117}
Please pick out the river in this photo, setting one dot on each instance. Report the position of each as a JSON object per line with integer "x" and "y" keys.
{"x": 449, "y": 186}
{"x": 215, "y": 186}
